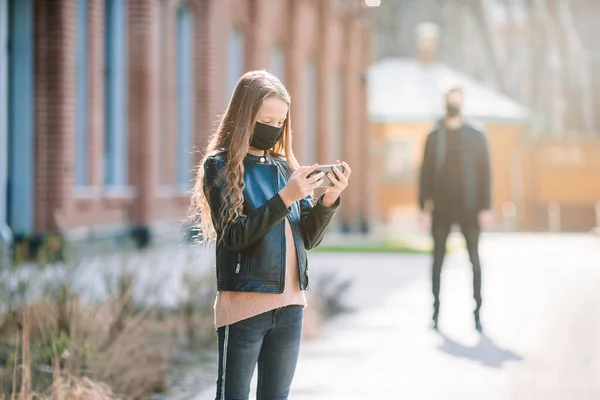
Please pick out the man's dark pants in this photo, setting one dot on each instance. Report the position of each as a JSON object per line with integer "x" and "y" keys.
{"x": 440, "y": 228}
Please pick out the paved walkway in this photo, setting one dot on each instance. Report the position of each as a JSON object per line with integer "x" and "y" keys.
{"x": 542, "y": 327}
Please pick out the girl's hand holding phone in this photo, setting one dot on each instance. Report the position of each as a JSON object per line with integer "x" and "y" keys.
{"x": 339, "y": 184}
{"x": 300, "y": 185}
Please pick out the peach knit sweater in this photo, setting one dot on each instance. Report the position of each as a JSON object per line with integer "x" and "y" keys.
{"x": 232, "y": 307}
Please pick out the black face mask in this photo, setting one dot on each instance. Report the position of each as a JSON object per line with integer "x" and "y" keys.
{"x": 452, "y": 110}
{"x": 265, "y": 136}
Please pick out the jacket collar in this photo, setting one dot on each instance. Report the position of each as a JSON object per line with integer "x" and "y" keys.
{"x": 264, "y": 159}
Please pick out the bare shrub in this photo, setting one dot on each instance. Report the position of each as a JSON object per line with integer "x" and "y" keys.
{"x": 67, "y": 345}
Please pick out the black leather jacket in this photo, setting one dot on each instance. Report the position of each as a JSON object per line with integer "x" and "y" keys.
{"x": 251, "y": 253}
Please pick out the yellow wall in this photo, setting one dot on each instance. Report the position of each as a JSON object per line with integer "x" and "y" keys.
{"x": 503, "y": 140}
{"x": 403, "y": 194}
{"x": 562, "y": 170}
{"x": 566, "y": 171}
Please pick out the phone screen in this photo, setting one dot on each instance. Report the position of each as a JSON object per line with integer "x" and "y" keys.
{"x": 325, "y": 169}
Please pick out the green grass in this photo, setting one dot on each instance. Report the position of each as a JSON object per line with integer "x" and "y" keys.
{"x": 399, "y": 246}
{"x": 370, "y": 248}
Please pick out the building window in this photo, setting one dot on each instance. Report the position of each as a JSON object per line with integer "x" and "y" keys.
{"x": 81, "y": 157}
{"x": 185, "y": 96}
{"x": 277, "y": 62}
{"x": 399, "y": 162}
{"x": 3, "y": 113}
{"x": 21, "y": 112}
{"x": 309, "y": 120}
{"x": 115, "y": 157}
{"x": 236, "y": 59}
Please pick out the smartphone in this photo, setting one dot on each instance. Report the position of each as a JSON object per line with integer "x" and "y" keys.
{"x": 325, "y": 169}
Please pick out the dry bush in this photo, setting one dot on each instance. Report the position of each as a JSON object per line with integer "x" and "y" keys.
{"x": 80, "y": 389}
{"x": 130, "y": 353}
{"x": 326, "y": 299}
{"x": 330, "y": 290}
{"x": 312, "y": 322}
{"x": 78, "y": 344}
{"x": 197, "y": 309}
{"x": 126, "y": 351}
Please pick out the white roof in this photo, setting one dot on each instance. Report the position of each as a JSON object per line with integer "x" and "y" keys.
{"x": 402, "y": 89}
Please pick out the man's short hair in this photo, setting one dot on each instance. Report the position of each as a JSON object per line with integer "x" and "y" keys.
{"x": 454, "y": 89}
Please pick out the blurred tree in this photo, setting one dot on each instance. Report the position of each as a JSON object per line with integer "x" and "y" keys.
{"x": 580, "y": 114}
{"x": 476, "y": 8}
{"x": 543, "y": 53}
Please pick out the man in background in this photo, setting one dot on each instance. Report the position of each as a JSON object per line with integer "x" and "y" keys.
{"x": 455, "y": 186}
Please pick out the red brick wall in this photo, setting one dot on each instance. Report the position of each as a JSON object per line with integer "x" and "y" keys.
{"x": 91, "y": 205}
{"x": 55, "y": 39}
{"x": 167, "y": 138}
{"x": 95, "y": 41}
{"x": 325, "y": 71}
{"x": 366, "y": 182}
{"x": 304, "y": 29}
{"x": 352, "y": 134}
{"x": 144, "y": 89}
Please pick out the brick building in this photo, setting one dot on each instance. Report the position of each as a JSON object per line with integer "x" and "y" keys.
{"x": 104, "y": 102}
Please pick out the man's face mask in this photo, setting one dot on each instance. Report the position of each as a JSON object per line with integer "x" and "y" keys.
{"x": 452, "y": 110}
{"x": 265, "y": 136}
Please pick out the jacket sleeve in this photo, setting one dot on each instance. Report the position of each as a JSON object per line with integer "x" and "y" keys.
{"x": 427, "y": 177}
{"x": 484, "y": 168}
{"x": 315, "y": 220}
{"x": 245, "y": 231}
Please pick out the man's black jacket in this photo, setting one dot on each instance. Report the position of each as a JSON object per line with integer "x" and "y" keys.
{"x": 476, "y": 173}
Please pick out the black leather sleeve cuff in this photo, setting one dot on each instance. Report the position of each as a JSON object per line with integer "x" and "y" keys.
{"x": 278, "y": 205}
{"x": 333, "y": 208}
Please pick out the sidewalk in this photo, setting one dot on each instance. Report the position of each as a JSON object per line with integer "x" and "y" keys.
{"x": 542, "y": 327}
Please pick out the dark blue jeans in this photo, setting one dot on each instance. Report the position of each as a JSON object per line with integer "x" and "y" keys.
{"x": 272, "y": 340}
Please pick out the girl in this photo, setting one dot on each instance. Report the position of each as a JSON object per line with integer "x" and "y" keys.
{"x": 254, "y": 201}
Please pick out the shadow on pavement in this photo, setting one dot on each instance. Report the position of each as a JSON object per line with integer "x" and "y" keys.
{"x": 486, "y": 351}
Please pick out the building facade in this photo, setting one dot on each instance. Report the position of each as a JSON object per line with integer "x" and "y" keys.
{"x": 108, "y": 103}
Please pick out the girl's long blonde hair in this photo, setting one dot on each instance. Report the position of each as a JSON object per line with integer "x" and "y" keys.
{"x": 233, "y": 137}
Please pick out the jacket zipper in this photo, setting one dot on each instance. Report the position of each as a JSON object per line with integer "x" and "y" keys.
{"x": 283, "y": 259}
{"x": 238, "y": 266}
